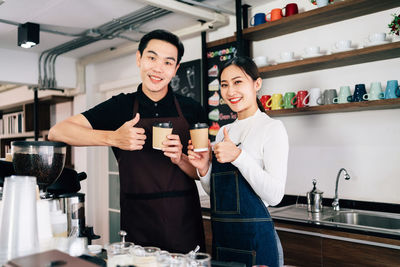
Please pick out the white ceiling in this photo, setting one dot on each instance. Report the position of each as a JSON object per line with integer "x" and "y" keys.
{"x": 76, "y": 16}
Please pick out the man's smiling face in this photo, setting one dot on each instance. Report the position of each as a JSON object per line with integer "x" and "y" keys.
{"x": 158, "y": 65}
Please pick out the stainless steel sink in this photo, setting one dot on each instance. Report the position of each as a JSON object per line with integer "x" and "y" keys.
{"x": 365, "y": 219}
{"x": 382, "y": 222}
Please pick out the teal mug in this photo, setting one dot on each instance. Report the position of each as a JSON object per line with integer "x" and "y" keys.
{"x": 375, "y": 92}
{"x": 344, "y": 93}
{"x": 392, "y": 89}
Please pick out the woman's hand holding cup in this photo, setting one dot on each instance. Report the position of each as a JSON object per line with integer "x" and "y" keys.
{"x": 199, "y": 160}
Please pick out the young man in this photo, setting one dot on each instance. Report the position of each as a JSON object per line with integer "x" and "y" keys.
{"x": 159, "y": 200}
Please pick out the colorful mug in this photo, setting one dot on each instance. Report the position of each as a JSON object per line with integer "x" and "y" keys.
{"x": 264, "y": 100}
{"x": 275, "y": 102}
{"x": 275, "y": 14}
{"x": 257, "y": 19}
{"x": 392, "y": 89}
{"x": 287, "y": 98}
{"x": 300, "y": 100}
{"x": 291, "y": 9}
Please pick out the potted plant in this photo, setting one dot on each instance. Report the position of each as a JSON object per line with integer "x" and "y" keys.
{"x": 394, "y": 26}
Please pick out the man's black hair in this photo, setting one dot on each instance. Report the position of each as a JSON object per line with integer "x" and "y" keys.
{"x": 162, "y": 35}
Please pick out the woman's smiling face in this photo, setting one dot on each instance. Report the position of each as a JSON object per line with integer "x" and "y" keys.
{"x": 239, "y": 90}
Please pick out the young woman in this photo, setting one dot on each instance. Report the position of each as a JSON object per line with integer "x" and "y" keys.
{"x": 246, "y": 173}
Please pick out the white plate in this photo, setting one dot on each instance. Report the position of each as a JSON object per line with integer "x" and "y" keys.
{"x": 377, "y": 43}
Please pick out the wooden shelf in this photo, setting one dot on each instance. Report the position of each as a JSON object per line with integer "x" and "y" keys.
{"x": 335, "y": 108}
{"x": 52, "y": 99}
{"x": 17, "y": 135}
{"x": 356, "y": 56}
{"x": 317, "y": 17}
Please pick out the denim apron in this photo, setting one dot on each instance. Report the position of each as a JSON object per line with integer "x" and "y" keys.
{"x": 242, "y": 228}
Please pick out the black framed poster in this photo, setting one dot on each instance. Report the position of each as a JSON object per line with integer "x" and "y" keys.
{"x": 187, "y": 81}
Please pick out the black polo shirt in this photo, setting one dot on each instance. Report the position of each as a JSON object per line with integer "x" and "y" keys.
{"x": 111, "y": 114}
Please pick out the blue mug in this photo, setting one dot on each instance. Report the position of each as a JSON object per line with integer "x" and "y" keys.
{"x": 359, "y": 93}
{"x": 392, "y": 89}
{"x": 257, "y": 19}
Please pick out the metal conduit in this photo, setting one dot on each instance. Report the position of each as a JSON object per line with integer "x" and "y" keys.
{"x": 108, "y": 30}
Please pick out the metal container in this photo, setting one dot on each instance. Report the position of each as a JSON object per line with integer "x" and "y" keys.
{"x": 74, "y": 206}
{"x": 314, "y": 199}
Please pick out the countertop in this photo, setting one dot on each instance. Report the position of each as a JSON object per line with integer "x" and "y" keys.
{"x": 298, "y": 213}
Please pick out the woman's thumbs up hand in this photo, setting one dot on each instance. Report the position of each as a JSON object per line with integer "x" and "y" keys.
{"x": 226, "y": 151}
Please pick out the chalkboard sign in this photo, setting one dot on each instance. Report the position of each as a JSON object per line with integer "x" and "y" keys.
{"x": 187, "y": 81}
{"x": 219, "y": 112}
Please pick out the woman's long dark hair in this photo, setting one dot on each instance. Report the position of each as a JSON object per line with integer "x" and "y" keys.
{"x": 249, "y": 67}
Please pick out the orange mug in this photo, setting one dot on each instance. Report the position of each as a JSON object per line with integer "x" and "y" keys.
{"x": 275, "y": 14}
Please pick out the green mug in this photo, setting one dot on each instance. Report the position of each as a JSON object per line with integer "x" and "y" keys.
{"x": 287, "y": 99}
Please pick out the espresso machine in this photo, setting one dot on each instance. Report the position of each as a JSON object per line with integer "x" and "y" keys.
{"x": 45, "y": 160}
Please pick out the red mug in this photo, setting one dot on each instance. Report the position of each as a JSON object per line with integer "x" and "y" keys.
{"x": 291, "y": 9}
{"x": 300, "y": 100}
{"x": 264, "y": 100}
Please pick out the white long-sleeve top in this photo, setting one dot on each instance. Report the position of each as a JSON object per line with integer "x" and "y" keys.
{"x": 263, "y": 159}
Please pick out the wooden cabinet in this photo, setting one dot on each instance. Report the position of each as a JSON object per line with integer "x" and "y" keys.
{"x": 22, "y": 128}
{"x": 312, "y": 246}
{"x": 207, "y": 232}
{"x": 309, "y": 245}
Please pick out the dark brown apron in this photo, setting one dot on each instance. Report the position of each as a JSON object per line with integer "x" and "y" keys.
{"x": 160, "y": 204}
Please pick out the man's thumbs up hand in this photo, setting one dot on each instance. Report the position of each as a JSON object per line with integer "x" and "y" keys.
{"x": 128, "y": 137}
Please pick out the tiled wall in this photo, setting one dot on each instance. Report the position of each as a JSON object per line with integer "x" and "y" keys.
{"x": 113, "y": 193}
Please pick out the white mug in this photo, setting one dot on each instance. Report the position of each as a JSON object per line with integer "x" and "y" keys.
{"x": 342, "y": 44}
{"x": 287, "y": 55}
{"x": 313, "y": 95}
{"x": 312, "y": 50}
{"x": 261, "y": 61}
{"x": 377, "y": 37}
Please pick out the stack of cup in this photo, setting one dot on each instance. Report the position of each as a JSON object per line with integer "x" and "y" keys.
{"x": 19, "y": 229}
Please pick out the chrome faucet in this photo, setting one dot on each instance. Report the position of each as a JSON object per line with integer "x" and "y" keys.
{"x": 335, "y": 203}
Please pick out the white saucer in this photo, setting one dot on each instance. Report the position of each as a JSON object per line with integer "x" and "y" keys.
{"x": 279, "y": 60}
{"x": 314, "y": 55}
{"x": 262, "y": 65}
{"x": 377, "y": 43}
{"x": 343, "y": 50}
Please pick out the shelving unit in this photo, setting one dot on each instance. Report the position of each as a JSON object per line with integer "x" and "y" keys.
{"x": 338, "y": 11}
{"x": 334, "y": 108}
{"x": 27, "y": 108}
{"x": 317, "y": 17}
{"x": 356, "y": 56}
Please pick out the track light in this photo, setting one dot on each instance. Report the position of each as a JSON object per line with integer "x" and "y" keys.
{"x": 28, "y": 35}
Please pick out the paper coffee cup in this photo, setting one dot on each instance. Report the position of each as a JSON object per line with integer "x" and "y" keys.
{"x": 9, "y": 157}
{"x": 160, "y": 132}
{"x": 199, "y": 137}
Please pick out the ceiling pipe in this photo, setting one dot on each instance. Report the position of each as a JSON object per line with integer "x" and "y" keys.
{"x": 109, "y": 30}
{"x": 215, "y": 8}
{"x": 213, "y": 21}
{"x": 188, "y": 10}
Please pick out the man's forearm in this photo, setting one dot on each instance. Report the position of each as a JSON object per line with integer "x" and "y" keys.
{"x": 78, "y": 135}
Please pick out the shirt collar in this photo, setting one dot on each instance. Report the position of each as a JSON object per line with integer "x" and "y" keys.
{"x": 167, "y": 100}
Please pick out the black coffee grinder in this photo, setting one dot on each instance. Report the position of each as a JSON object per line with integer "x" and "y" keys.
{"x": 45, "y": 160}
